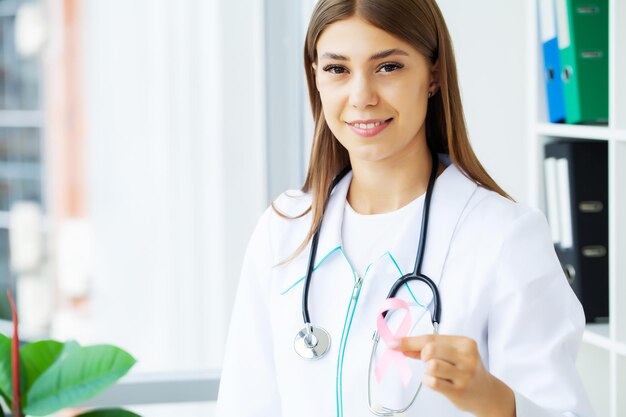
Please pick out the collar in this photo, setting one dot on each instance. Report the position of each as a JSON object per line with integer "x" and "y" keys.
{"x": 451, "y": 193}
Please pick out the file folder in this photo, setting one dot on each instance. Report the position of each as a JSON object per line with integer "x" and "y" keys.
{"x": 582, "y": 246}
{"x": 551, "y": 61}
{"x": 583, "y": 37}
{"x": 552, "y": 200}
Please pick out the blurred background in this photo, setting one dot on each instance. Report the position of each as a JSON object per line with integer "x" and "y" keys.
{"x": 140, "y": 141}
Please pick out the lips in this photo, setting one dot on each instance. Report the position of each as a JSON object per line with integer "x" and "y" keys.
{"x": 369, "y": 128}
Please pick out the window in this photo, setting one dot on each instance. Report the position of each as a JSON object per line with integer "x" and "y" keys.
{"x": 21, "y": 162}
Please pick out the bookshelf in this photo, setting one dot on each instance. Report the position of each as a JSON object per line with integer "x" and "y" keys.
{"x": 602, "y": 358}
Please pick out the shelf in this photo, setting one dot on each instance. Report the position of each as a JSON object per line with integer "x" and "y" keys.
{"x": 598, "y": 335}
{"x": 602, "y": 355}
{"x": 620, "y": 135}
{"x": 574, "y": 131}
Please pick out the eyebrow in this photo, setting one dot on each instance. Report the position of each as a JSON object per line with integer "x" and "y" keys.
{"x": 377, "y": 55}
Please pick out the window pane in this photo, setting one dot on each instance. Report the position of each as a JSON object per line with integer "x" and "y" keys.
{"x": 5, "y": 310}
{"x": 19, "y": 77}
{"x": 20, "y": 166}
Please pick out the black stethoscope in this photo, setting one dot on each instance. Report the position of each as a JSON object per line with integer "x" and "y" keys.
{"x": 313, "y": 342}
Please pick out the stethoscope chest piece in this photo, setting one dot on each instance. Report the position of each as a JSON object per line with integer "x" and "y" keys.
{"x": 312, "y": 342}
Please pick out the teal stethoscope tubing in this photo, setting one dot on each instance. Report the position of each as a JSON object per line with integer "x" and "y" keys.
{"x": 309, "y": 333}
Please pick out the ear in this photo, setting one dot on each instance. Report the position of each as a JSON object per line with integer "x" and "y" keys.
{"x": 314, "y": 68}
{"x": 434, "y": 77}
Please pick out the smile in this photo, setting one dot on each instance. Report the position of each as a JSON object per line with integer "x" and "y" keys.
{"x": 368, "y": 128}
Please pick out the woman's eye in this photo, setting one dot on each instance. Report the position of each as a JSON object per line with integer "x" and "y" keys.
{"x": 334, "y": 69}
{"x": 390, "y": 67}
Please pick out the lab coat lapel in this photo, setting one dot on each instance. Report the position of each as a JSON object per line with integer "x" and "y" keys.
{"x": 451, "y": 193}
{"x": 330, "y": 234}
{"x": 329, "y": 256}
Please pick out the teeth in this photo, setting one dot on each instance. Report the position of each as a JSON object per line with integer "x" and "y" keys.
{"x": 367, "y": 126}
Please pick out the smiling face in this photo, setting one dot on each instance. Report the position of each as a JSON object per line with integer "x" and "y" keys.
{"x": 374, "y": 90}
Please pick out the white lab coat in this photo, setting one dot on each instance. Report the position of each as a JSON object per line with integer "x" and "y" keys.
{"x": 500, "y": 282}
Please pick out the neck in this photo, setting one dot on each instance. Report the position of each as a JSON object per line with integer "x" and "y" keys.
{"x": 387, "y": 185}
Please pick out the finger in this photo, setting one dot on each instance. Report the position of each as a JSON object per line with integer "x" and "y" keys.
{"x": 417, "y": 343}
{"x": 441, "y": 369}
{"x": 441, "y": 351}
{"x": 437, "y": 384}
{"x": 467, "y": 352}
{"x": 412, "y": 355}
{"x": 458, "y": 350}
{"x": 430, "y": 351}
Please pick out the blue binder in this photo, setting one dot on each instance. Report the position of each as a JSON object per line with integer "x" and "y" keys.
{"x": 552, "y": 61}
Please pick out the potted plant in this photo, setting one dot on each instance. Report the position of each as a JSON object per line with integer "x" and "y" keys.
{"x": 54, "y": 376}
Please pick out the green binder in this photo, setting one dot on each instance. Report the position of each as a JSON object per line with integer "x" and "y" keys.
{"x": 583, "y": 32}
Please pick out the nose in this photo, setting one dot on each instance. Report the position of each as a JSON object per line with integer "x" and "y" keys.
{"x": 362, "y": 92}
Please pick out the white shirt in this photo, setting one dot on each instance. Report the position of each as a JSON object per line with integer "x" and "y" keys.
{"x": 367, "y": 237}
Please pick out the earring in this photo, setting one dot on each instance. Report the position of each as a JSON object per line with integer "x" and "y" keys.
{"x": 430, "y": 94}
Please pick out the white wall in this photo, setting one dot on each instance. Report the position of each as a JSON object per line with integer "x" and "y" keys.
{"x": 489, "y": 38}
{"x": 176, "y": 172}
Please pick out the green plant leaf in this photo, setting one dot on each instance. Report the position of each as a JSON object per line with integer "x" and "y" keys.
{"x": 110, "y": 412}
{"x": 78, "y": 375}
{"x": 37, "y": 357}
{"x": 6, "y": 389}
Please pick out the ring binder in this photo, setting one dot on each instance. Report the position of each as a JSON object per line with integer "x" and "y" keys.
{"x": 582, "y": 201}
{"x": 583, "y": 42}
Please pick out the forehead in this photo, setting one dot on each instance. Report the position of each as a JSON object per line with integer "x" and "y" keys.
{"x": 356, "y": 38}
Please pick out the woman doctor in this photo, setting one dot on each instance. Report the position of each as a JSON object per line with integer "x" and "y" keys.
{"x": 385, "y": 99}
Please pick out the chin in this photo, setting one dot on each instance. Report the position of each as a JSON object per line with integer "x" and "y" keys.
{"x": 368, "y": 155}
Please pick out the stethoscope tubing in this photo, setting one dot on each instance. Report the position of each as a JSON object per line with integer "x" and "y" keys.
{"x": 417, "y": 270}
{"x": 307, "y": 344}
{"x": 316, "y": 237}
{"x": 313, "y": 342}
{"x": 426, "y": 214}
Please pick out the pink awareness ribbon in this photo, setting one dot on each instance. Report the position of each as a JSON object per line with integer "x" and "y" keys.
{"x": 391, "y": 355}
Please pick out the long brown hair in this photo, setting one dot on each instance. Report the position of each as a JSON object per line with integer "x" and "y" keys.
{"x": 421, "y": 24}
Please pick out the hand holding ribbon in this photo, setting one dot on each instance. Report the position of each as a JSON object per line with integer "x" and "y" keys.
{"x": 454, "y": 368}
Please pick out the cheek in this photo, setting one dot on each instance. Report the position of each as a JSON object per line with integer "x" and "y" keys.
{"x": 411, "y": 114}
{"x": 408, "y": 96}
{"x": 332, "y": 108}
{"x": 410, "y": 106}
{"x": 332, "y": 114}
